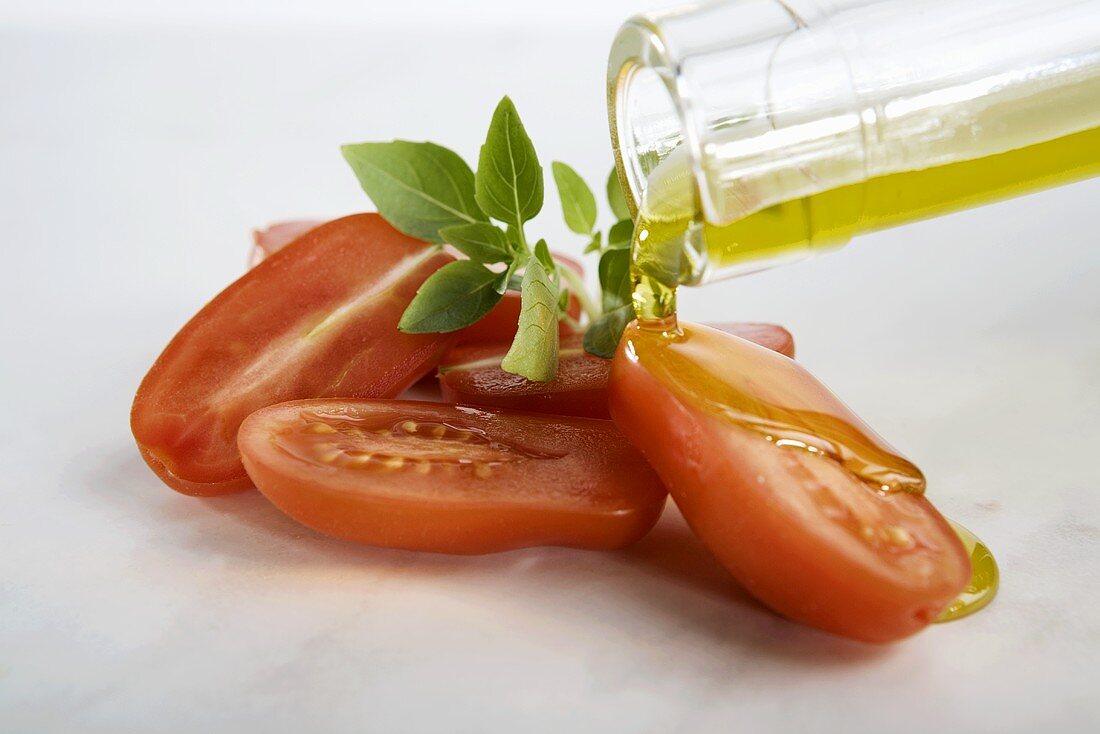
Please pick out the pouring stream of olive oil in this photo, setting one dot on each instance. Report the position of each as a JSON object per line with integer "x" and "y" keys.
{"x": 673, "y": 245}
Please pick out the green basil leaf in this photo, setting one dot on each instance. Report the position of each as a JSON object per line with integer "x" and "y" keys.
{"x": 481, "y": 242}
{"x": 594, "y": 244}
{"x": 614, "y": 271}
{"x": 602, "y": 337}
{"x": 563, "y": 301}
{"x": 512, "y": 234}
{"x": 620, "y": 234}
{"x": 453, "y": 297}
{"x": 534, "y": 351}
{"x": 578, "y": 205}
{"x": 508, "y": 279}
{"x": 508, "y": 183}
{"x": 615, "y": 197}
{"x": 542, "y": 252}
{"x": 419, "y": 188}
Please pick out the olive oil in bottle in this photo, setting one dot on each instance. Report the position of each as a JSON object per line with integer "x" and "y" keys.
{"x": 674, "y": 244}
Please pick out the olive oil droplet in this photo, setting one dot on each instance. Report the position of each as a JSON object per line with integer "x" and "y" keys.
{"x": 985, "y": 578}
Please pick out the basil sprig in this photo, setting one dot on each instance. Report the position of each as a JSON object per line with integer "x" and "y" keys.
{"x": 428, "y": 192}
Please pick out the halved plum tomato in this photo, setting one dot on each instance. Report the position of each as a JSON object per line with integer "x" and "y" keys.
{"x": 499, "y": 325}
{"x": 470, "y": 374}
{"x": 339, "y": 292}
{"x": 447, "y": 479}
{"x": 808, "y": 509}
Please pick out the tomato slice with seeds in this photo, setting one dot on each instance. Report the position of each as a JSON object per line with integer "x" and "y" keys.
{"x": 448, "y": 479}
{"x": 317, "y": 319}
{"x": 470, "y": 374}
{"x": 811, "y": 511}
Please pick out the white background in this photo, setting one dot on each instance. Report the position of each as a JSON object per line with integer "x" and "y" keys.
{"x": 140, "y": 142}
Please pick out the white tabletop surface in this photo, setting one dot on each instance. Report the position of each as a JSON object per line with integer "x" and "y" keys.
{"x": 136, "y": 153}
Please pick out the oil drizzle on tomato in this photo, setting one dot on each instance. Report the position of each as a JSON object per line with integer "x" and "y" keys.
{"x": 776, "y": 400}
{"x": 772, "y": 397}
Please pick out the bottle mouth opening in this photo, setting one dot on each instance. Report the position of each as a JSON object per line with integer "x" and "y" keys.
{"x": 650, "y": 128}
{"x": 646, "y": 117}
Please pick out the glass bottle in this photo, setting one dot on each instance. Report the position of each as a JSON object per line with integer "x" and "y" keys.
{"x": 748, "y": 133}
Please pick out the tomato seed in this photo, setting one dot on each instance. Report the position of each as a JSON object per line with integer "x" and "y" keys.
{"x": 897, "y": 535}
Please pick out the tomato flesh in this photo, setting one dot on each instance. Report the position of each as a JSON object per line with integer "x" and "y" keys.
{"x": 448, "y": 479}
{"x": 797, "y": 527}
{"x": 317, "y": 319}
{"x": 470, "y": 374}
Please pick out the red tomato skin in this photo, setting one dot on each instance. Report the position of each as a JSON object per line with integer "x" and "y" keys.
{"x": 188, "y": 408}
{"x": 580, "y": 387}
{"x": 457, "y": 523}
{"x": 722, "y": 479}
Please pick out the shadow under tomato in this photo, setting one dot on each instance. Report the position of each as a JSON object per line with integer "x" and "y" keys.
{"x": 672, "y": 551}
{"x": 665, "y": 585}
{"x": 667, "y": 581}
{"x": 690, "y": 588}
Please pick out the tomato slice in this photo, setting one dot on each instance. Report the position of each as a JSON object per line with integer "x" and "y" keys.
{"x": 800, "y": 500}
{"x": 266, "y": 242}
{"x": 470, "y": 374}
{"x": 340, "y": 292}
{"x": 448, "y": 479}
